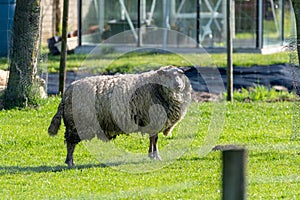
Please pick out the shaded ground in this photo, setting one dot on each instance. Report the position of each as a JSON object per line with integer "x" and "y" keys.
{"x": 284, "y": 75}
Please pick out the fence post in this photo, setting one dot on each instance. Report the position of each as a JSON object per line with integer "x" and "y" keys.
{"x": 229, "y": 25}
{"x": 234, "y": 182}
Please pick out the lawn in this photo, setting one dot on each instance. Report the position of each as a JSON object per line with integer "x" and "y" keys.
{"x": 31, "y": 163}
{"x": 137, "y": 62}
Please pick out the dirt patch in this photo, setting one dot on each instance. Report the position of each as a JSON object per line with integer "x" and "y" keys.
{"x": 205, "y": 97}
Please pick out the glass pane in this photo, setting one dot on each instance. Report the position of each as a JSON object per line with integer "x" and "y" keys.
{"x": 272, "y": 23}
{"x": 245, "y": 24}
{"x": 212, "y": 22}
{"x": 289, "y": 23}
{"x": 183, "y": 17}
{"x": 90, "y": 21}
{"x": 102, "y": 19}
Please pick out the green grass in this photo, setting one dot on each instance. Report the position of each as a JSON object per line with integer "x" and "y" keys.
{"x": 31, "y": 163}
{"x": 135, "y": 62}
{"x": 3, "y": 63}
{"x": 262, "y": 93}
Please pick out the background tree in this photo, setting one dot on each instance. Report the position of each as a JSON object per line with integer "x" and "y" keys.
{"x": 23, "y": 87}
{"x": 296, "y": 6}
{"x": 56, "y": 6}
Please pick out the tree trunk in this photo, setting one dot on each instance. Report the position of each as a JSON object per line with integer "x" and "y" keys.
{"x": 56, "y": 6}
{"x": 22, "y": 88}
{"x": 296, "y": 6}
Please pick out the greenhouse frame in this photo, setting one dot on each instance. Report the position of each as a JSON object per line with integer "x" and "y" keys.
{"x": 258, "y": 25}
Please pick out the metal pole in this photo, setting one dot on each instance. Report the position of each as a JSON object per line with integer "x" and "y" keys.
{"x": 229, "y": 52}
{"x": 63, "y": 53}
{"x": 166, "y": 23}
{"x": 234, "y": 183}
{"x": 128, "y": 19}
{"x": 79, "y": 35}
{"x": 101, "y": 16}
{"x": 139, "y": 23}
{"x": 281, "y": 7}
{"x": 198, "y": 23}
{"x": 259, "y": 24}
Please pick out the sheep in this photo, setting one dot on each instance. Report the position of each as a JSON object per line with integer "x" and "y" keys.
{"x": 108, "y": 105}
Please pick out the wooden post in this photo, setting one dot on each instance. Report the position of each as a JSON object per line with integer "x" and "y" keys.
{"x": 234, "y": 163}
{"x": 63, "y": 53}
{"x": 229, "y": 51}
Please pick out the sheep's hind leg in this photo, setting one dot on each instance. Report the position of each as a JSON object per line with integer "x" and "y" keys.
{"x": 70, "y": 150}
{"x": 153, "y": 147}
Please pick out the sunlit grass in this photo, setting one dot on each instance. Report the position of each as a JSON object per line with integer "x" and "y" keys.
{"x": 32, "y": 164}
{"x": 262, "y": 93}
{"x": 136, "y": 62}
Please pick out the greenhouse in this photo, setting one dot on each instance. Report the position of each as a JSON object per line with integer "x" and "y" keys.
{"x": 257, "y": 24}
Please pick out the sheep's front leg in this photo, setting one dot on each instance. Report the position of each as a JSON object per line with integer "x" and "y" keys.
{"x": 70, "y": 150}
{"x": 153, "y": 147}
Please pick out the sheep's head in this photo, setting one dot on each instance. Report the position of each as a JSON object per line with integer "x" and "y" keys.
{"x": 174, "y": 78}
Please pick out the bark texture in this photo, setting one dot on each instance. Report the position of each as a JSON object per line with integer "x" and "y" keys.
{"x": 22, "y": 88}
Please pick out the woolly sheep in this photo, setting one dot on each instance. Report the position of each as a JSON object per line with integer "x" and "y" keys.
{"x": 106, "y": 106}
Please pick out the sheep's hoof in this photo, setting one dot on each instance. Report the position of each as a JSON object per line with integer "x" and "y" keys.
{"x": 154, "y": 156}
{"x": 70, "y": 163}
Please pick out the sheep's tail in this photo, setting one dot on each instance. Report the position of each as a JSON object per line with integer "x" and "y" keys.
{"x": 56, "y": 120}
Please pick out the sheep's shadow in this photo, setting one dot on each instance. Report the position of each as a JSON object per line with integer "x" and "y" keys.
{"x": 59, "y": 168}
{"x": 39, "y": 169}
